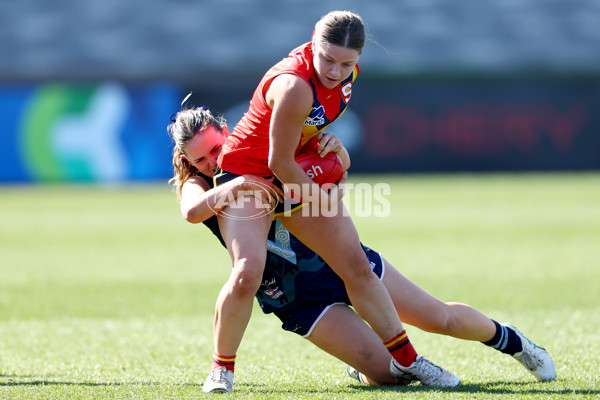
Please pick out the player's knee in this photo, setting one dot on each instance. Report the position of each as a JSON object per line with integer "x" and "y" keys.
{"x": 246, "y": 277}
{"x": 357, "y": 270}
{"x": 444, "y": 323}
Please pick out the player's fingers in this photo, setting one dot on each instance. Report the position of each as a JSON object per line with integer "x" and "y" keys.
{"x": 344, "y": 177}
{"x": 324, "y": 139}
{"x": 323, "y": 150}
{"x": 278, "y": 193}
{"x": 328, "y": 146}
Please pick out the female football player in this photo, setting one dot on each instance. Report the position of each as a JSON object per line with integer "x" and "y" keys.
{"x": 296, "y": 100}
{"x": 307, "y": 296}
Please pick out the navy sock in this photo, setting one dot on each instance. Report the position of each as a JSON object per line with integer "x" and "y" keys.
{"x": 505, "y": 340}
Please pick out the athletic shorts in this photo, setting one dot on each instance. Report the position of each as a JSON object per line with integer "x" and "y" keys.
{"x": 287, "y": 205}
{"x": 304, "y": 312}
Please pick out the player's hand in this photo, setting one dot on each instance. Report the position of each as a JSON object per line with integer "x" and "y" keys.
{"x": 329, "y": 143}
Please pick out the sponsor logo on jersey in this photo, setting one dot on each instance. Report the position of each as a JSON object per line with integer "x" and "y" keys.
{"x": 346, "y": 92}
{"x": 272, "y": 288}
{"x": 274, "y": 293}
{"x": 316, "y": 116}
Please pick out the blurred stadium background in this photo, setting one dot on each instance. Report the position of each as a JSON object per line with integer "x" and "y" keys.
{"x": 87, "y": 87}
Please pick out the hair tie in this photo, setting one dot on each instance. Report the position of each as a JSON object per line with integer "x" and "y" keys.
{"x": 173, "y": 116}
{"x": 185, "y": 99}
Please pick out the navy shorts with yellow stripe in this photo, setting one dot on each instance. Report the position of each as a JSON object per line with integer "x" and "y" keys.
{"x": 287, "y": 206}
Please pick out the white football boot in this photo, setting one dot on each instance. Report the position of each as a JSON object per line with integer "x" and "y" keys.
{"x": 220, "y": 380}
{"x": 354, "y": 374}
{"x": 425, "y": 372}
{"x": 534, "y": 358}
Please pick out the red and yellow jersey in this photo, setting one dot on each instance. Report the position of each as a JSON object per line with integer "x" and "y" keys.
{"x": 246, "y": 150}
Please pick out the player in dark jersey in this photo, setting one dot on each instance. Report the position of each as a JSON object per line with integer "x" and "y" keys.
{"x": 301, "y": 289}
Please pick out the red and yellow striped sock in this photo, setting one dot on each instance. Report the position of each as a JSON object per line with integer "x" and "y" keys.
{"x": 223, "y": 361}
{"x": 401, "y": 349}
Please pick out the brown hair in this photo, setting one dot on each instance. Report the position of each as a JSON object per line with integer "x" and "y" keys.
{"x": 342, "y": 28}
{"x": 185, "y": 126}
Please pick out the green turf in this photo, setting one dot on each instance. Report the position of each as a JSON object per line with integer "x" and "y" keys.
{"x": 106, "y": 293}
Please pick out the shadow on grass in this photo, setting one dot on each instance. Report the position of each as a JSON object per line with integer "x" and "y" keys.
{"x": 20, "y": 381}
{"x": 499, "y": 388}
{"x": 58, "y": 383}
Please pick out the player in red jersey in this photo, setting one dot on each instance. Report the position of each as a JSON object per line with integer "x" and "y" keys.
{"x": 297, "y": 99}
{"x": 247, "y": 147}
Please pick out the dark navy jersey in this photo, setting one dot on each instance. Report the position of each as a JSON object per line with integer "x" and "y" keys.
{"x": 212, "y": 223}
{"x": 292, "y": 270}
{"x": 297, "y": 285}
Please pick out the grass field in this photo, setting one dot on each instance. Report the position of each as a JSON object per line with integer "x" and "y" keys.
{"x": 107, "y": 293}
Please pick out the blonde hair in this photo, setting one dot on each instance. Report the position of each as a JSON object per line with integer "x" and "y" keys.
{"x": 185, "y": 126}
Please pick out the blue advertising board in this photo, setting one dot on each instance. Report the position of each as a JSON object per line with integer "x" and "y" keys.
{"x": 104, "y": 132}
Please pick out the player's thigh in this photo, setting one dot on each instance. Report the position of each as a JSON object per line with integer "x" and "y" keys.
{"x": 244, "y": 230}
{"x": 334, "y": 238}
{"x": 344, "y": 335}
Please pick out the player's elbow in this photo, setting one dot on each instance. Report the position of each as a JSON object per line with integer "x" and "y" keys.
{"x": 278, "y": 165}
{"x": 190, "y": 215}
